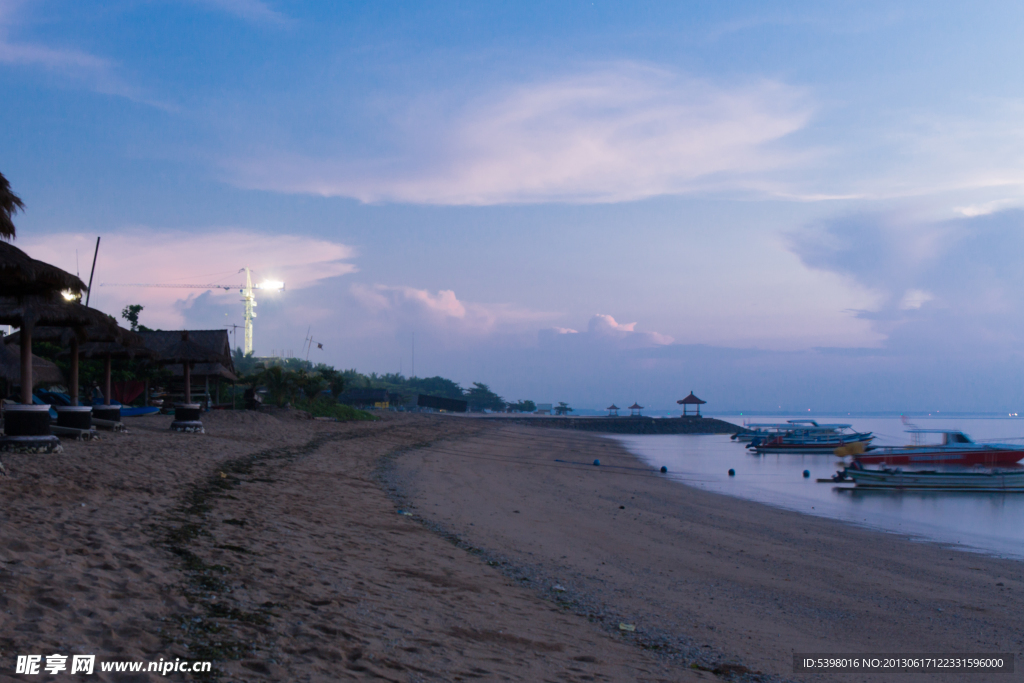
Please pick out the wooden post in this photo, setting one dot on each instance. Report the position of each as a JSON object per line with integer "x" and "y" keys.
{"x": 26, "y": 362}
{"x": 73, "y": 389}
{"x": 106, "y": 380}
{"x": 145, "y": 392}
{"x": 218, "y": 389}
{"x": 187, "y": 370}
{"x": 206, "y": 398}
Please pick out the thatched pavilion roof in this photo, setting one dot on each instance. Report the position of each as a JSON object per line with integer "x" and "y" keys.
{"x": 49, "y": 310}
{"x": 43, "y": 371}
{"x": 10, "y": 203}
{"x": 21, "y": 275}
{"x": 200, "y": 346}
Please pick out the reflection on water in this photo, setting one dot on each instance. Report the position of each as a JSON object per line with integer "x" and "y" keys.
{"x": 987, "y": 522}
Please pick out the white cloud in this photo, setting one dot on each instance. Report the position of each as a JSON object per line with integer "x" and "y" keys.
{"x": 147, "y": 256}
{"x": 914, "y": 299}
{"x": 619, "y": 133}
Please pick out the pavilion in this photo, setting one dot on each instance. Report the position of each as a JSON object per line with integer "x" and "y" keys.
{"x": 691, "y": 400}
{"x": 634, "y": 410}
{"x": 613, "y": 410}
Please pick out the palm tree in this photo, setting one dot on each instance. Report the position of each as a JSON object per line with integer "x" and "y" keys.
{"x": 10, "y": 204}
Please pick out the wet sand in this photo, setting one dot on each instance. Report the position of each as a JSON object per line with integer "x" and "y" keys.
{"x": 271, "y": 546}
{"x": 706, "y": 577}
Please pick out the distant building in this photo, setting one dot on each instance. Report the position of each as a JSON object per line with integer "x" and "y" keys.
{"x": 367, "y": 398}
{"x": 613, "y": 410}
{"x": 543, "y": 409}
{"x": 446, "y": 405}
{"x": 634, "y": 410}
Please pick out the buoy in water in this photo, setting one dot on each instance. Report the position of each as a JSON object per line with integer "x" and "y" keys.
{"x": 807, "y": 473}
{"x": 732, "y": 473}
{"x": 664, "y": 470}
{"x": 597, "y": 463}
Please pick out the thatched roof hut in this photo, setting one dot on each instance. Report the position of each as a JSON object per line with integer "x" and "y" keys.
{"x": 22, "y": 275}
{"x": 43, "y": 371}
{"x": 205, "y": 349}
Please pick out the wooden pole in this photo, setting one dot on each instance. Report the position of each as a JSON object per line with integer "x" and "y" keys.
{"x": 73, "y": 389}
{"x": 106, "y": 381}
{"x": 26, "y": 363}
{"x": 188, "y": 381}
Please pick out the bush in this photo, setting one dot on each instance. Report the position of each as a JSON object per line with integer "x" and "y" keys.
{"x": 328, "y": 407}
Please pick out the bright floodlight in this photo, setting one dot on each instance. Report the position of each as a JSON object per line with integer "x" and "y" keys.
{"x": 69, "y": 295}
{"x": 272, "y": 284}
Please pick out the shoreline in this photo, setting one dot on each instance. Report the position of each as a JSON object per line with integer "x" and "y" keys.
{"x": 676, "y": 555}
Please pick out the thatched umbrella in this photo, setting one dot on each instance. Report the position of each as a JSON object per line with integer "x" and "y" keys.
{"x": 188, "y": 353}
{"x": 28, "y": 311}
{"x": 22, "y": 275}
{"x": 42, "y": 369}
{"x": 91, "y": 340}
{"x": 126, "y": 344}
{"x": 10, "y": 203}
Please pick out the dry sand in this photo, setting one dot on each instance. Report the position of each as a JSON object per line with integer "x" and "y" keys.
{"x": 272, "y": 545}
{"x": 269, "y": 545}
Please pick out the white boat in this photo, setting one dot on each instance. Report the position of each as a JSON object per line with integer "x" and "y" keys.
{"x": 956, "y": 449}
{"x": 975, "y": 479}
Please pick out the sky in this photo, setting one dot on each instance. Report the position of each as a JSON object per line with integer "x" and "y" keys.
{"x": 792, "y": 206}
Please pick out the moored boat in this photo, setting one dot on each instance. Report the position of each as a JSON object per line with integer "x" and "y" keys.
{"x": 977, "y": 479}
{"x": 956, "y": 449}
{"x": 802, "y": 437}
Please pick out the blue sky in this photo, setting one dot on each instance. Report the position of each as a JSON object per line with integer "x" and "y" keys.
{"x": 802, "y": 205}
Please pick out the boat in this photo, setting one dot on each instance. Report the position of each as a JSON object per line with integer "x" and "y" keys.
{"x": 956, "y": 448}
{"x": 767, "y": 430}
{"x": 807, "y": 436}
{"x": 975, "y": 479}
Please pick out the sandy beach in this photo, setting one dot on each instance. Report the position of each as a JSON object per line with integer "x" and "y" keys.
{"x": 274, "y": 546}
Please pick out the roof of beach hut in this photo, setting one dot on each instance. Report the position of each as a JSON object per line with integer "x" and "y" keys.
{"x": 22, "y": 275}
{"x": 612, "y": 407}
{"x": 50, "y": 310}
{"x": 691, "y": 400}
{"x": 43, "y": 371}
{"x": 180, "y": 347}
{"x": 635, "y": 406}
{"x": 207, "y": 346}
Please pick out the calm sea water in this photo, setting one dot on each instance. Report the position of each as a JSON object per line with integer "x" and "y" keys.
{"x": 983, "y": 522}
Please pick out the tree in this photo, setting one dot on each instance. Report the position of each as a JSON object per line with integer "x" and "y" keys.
{"x": 562, "y": 408}
{"x": 480, "y": 397}
{"x": 523, "y": 407}
{"x": 10, "y": 204}
{"x": 131, "y": 314}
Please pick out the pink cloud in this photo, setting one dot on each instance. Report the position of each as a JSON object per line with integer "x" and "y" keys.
{"x": 619, "y": 133}
{"x": 606, "y": 326}
{"x": 145, "y": 256}
{"x": 443, "y": 310}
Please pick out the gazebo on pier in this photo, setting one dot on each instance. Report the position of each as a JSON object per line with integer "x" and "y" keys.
{"x": 634, "y": 410}
{"x": 613, "y": 410}
{"x": 691, "y": 400}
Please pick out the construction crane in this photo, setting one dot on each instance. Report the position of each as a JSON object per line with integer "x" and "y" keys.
{"x": 248, "y": 292}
